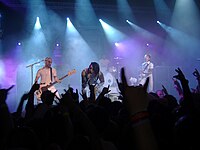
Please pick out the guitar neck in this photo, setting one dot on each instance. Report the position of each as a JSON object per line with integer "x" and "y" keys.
{"x": 48, "y": 86}
{"x": 70, "y": 73}
{"x": 63, "y": 77}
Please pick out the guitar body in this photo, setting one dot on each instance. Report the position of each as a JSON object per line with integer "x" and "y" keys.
{"x": 38, "y": 94}
{"x": 141, "y": 77}
{"x": 43, "y": 88}
{"x": 50, "y": 87}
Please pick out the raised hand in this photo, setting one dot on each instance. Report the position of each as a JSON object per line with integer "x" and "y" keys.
{"x": 83, "y": 95}
{"x": 120, "y": 86}
{"x": 196, "y": 73}
{"x": 74, "y": 95}
{"x": 136, "y": 102}
{"x": 180, "y": 76}
{"x": 135, "y": 97}
{"x": 106, "y": 90}
{"x": 4, "y": 93}
{"x": 176, "y": 83}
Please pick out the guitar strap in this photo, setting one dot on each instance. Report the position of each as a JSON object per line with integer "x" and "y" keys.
{"x": 51, "y": 74}
{"x": 146, "y": 67}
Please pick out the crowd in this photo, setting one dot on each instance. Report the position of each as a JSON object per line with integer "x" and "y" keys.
{"x": 140, "y": 121}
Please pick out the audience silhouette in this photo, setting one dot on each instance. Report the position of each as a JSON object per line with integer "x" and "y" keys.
{"x": 139, "y": 121}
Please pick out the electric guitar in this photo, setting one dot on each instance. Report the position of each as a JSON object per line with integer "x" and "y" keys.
{"x": 45, "y": 87}
{"x": 143, "y": 76}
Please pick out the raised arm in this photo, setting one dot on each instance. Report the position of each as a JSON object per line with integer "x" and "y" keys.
{"x": 83, "y": 79}
{"x": 30, "y": 104}
{"x": 69, "y": 104}
{"x": 178, "y": 88}
{"x": 136, "y": 102}
{"x": 6, "y": 122}
{"x": 197, "y": 75}
{"x": 187, "y": 95}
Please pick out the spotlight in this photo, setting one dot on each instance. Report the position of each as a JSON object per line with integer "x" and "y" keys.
{"x": 116, "y": 44}
{"x": 57, "y": 45}
{"x": 129, "y": 22}
{"x": 37, "y": 23}
{"x": 158, "y": 22}
{"x": 19, "y": 43}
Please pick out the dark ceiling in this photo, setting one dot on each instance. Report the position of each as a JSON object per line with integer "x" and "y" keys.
{"x": 14, "y": 13}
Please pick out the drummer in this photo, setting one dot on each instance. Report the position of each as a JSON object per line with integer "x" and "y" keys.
{"x": 104, "y": 62}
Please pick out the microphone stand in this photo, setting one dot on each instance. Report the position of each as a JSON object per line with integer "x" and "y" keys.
{"x": 31, "y": 66}
{"x": 118, "y": 59}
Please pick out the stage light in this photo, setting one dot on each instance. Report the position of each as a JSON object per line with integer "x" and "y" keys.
{"x": 19, "y": 43}
{"x": 158, "y": 22}
{"x": 112, "y": 33}
{"x": 2, "y": 70}
{"x": 129, "y": 22}
{"x": 37, "y": 23}
{"x": 116, "y": 44}
{"x": 57, "y": 45}
{"x": 105, "y": 25}
{"x": 69, "y": 24}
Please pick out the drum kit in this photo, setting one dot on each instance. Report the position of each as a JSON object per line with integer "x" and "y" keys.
{"x": 111, "y": 73}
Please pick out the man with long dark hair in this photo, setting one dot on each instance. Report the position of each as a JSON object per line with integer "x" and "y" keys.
{"x": 92, "y": 76}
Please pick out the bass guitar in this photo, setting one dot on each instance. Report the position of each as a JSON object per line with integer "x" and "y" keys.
{"x": 45, "y": 87}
